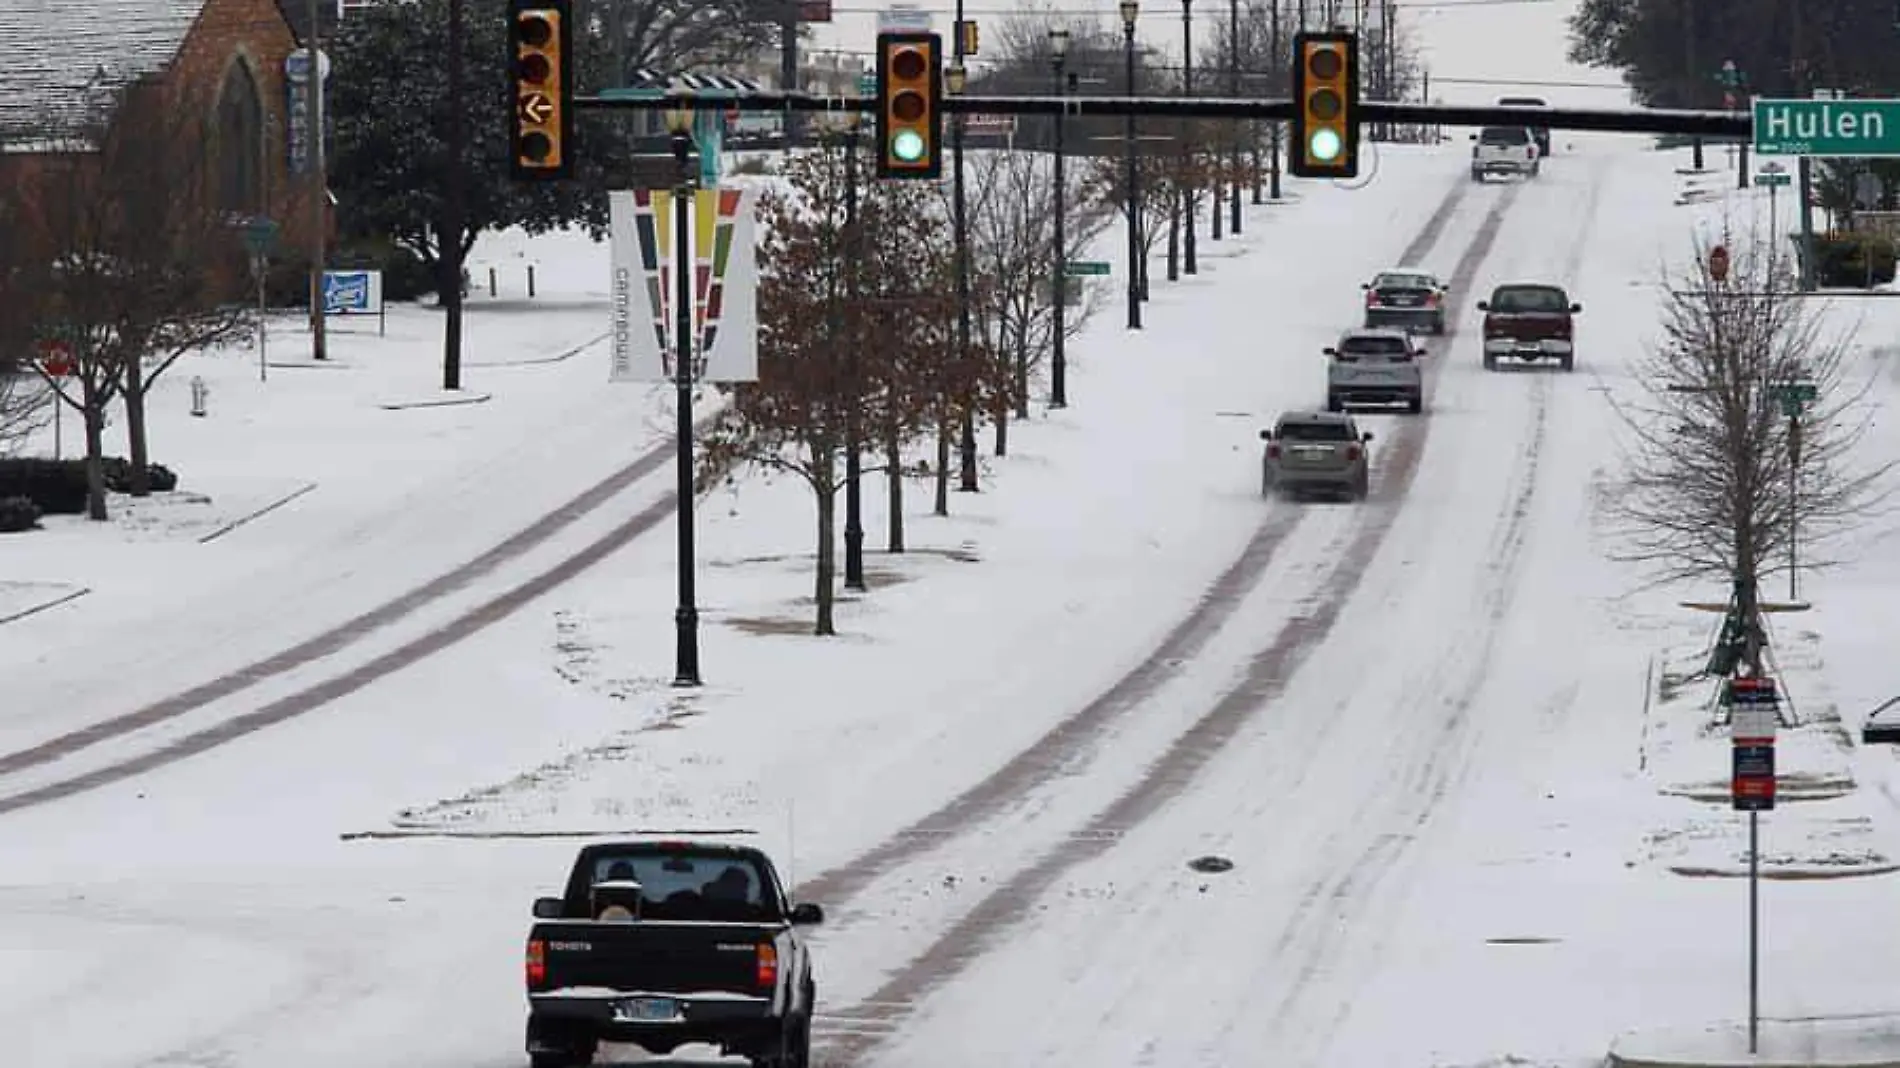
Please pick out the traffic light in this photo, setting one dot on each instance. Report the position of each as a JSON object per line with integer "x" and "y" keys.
{"x": 539, "y": 34}
{"x": 1325, "y": 105}
{"x": 909, "y": 105}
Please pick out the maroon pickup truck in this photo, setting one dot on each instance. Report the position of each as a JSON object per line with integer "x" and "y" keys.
{"x": 1529, "y": 321}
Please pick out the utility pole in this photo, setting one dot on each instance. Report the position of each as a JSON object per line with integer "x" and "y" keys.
{"x": 1274, "y": 143}
{"x": 1233, "y": 90}
{"x": 319, "y": 185}
{"x": 1131, "y": 194}
{"x": 956, "y": 78}
{"x": 1188, "y": 192}
{"x": 449, "y": 242}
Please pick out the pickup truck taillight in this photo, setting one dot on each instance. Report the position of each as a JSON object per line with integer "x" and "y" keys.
{"x": 537, "y": 964}
{"x": 1372, "y": 297}
{"x": 1431, "y": 300}
{"x": 1352, "y": 452}
{"x": 1273, "y": 450}
{"x": 767, "y": 977}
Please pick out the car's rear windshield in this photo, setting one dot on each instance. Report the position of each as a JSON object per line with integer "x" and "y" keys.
{"x": 1401, "y": 281}
{"x": 1373, "y": 346}
{"x": 687, "y": 885}
{"x": 1504, "y": 135}
{"x": 1315, "y": 432}
{"x": 1530, "y": 299}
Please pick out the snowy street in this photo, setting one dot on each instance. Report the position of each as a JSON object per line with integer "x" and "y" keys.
{"x": 284, "y": 760}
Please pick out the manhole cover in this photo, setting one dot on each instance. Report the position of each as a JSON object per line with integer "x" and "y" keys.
{"x": 1211, "y": 864}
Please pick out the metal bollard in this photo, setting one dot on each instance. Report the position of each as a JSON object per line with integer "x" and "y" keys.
{"x": 531, "y": 280}
{"x": 492, "y": 291}
{"x": 200, "y": 396}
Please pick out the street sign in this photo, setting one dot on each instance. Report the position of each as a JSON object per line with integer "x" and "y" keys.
{"x": 1752, "y": 788}
{"x": 1794, "y": 396}
{"x": 260, "y": 235}
{"x": 1771, "y": 178}
{"x": 867, "y": 84}
{"x": 904, "y": 18}
{"x": 1827, "y": 128}
{"x": 1718, "y": 263}
{"x": 814, "y": 11}
{"x": 1086, "y": 268}
{"x": 1754, "y": 715}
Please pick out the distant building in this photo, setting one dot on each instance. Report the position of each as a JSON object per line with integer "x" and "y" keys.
{"x": 60, "y": 60}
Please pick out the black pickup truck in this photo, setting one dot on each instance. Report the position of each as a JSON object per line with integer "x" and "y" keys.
{"x": 661, "y": 944}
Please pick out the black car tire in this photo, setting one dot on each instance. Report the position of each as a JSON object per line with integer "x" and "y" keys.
{"x": 794, "y": 1046}
{"x": 1568, "y": 361}
{"x": 1490, "y": 361}
{"x": 1438, "y": 325}
{"x": 1334, "y": 404}
{"x": 1415, "y": 405}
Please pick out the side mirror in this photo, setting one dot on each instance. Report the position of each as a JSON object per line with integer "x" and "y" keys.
{"x": 548, "y": 908}
{"x": 1330, "y": 351}
{"x": 1266, "y": 435}
{"x": 1576, "y": 307}
{"x": 806, "y": 913}
{"x": 1484, "y": 305}
{"x": 1367, "y": 436}
{"x": 1474, "y": 137}
{"x": 1365, "y": 285}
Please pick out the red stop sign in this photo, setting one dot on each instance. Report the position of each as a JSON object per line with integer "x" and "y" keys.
{"x": 1718, "y": 263}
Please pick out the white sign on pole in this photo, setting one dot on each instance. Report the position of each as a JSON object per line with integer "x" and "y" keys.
{"x": 723, "y": 260}
{"x": 904, "y": 18}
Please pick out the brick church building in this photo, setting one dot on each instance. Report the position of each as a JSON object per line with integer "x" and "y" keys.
{"x": 60, "y": 58}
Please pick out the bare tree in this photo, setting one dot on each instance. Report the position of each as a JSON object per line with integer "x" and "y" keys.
{"x": 1012, "y": 235}
{"x": 820, "y": 365}
{"x": 1721, "y": 480}
{"x": 24, "y": 400}
{"x": 684, "y": 33}
{"x": 133, "y": 261}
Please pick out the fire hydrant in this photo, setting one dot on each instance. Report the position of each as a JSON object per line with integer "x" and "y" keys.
{"x": 200, "y": 394}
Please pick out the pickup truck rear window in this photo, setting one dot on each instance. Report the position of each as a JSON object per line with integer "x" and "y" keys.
{"x": 1315, "y": 432}
{"x": 1504, "y": 135}
{"x": 1531, "y": 299}
{"x": 691, "y": 886}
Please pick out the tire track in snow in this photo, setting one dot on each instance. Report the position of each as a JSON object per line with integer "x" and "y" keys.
{"x": 342, "y": 637}
{"x": 1073, "y": 736}
{"x": 1436, "y": 766}
{"x": 1266, "y": 678}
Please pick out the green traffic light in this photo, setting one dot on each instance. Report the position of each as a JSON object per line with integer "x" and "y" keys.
{"x": 907, "y": 146}
{"x": 1324, "y": 145}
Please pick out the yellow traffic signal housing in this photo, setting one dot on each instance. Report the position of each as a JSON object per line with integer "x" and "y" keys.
{"x": 1325, "y": 105}
{"x": 540, "y": 141}
{"x": 909, "y": 105}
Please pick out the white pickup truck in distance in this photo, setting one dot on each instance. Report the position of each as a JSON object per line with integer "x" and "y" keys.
{"x": 1375, "y": 366}
{"x": 1506, "y": 150}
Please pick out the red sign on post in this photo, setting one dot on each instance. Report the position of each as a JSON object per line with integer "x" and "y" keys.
{"x": 1754, "y": 714}
{"x": 56, "y": 358}
{"x": 1718, "y": 263}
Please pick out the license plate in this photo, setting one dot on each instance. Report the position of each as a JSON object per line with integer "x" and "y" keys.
{"x": 646, "y": 1010}
{"x": 1398, "y": 302}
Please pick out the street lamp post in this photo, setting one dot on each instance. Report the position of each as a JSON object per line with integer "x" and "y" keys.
{"x": 1132, "y": 193}
{"x": 1233, "y": 90}
{"x": 679, "y": 122}
{"x": 1188, "y": 192}
{"x": 1058, "y": 361}
{"x": 853, "y": 432}
{"x": 954, "y": 80}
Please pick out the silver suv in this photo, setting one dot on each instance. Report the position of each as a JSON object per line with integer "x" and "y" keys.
{"x": 1507, "y": 150}
{"x": 1315, "y": 452}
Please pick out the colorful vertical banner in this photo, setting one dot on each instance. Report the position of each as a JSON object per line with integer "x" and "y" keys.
{"x": 723, "y": 261}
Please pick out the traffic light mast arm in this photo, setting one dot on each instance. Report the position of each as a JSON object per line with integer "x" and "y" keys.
{"x": 1626, "y": 120}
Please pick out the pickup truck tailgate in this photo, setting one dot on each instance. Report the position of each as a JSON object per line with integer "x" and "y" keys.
{"x": 654, "y": 956}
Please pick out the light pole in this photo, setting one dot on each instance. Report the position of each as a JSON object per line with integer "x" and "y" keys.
{"x": 954, "y": 80}
{"x": 319, "y": 191}
{"x": 854, "y": 391}
{"x": 1233, "y": 90}
{"x": 1187, "y": 190}
{"x": 1132, "y": 194}
{"x": 1274, "y": 136}
{"x": 679, "y": 122}
{"x": 1058, "y": 361}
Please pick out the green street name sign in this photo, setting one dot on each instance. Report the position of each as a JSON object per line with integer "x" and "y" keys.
{"x": 1771, "y": 179}
{"x": 1086, "y": 268}
{"x": 1827, "y": 128}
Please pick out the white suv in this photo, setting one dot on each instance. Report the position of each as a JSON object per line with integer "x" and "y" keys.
{"x": 1504, "y": 150}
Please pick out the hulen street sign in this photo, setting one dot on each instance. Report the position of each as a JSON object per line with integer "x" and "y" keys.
{"x": 1086, "y": 268}
{"x": 1827, "y": 128}
{"x": 1772, "y": 178}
